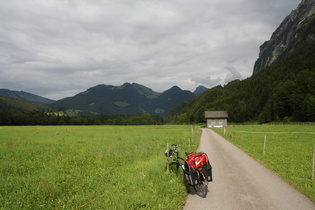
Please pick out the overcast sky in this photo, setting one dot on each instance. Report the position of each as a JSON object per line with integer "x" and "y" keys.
{"x": 58, "y": 48}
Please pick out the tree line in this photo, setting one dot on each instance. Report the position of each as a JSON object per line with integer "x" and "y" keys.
{"x": 33, "y": 117}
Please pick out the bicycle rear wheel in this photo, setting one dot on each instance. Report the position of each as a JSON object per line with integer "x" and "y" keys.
{"x": 202, "y": 189}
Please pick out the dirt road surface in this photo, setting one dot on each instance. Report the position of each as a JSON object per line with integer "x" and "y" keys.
{"x": 240, "y": 182}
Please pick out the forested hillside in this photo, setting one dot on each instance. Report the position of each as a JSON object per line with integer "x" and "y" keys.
{"x": 282, "y": 92}
{"x": 25, "y": 96}
{"x": 7, "y": 102}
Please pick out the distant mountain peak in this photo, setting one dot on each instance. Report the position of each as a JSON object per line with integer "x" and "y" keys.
{"x": 200, "y": 89}
{"x": 175, "y": 88}
{"x": 149, "y": 93}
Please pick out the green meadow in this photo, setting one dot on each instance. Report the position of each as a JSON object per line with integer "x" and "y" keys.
{"x": 287, "y": 150}
{"x": 91, "y": 167}
{"x": 121, "y": 167}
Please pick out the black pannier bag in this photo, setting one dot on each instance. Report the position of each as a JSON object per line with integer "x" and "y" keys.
{"x": 191, "y": 174}
{"x": 207, "y": 172}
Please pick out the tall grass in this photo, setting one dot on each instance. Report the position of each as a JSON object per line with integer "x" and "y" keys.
{"x": 288, "y": 150}
{"x": 93, "y": 167}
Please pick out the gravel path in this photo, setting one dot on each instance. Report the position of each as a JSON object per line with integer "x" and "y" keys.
{"x": 240, "y": 182}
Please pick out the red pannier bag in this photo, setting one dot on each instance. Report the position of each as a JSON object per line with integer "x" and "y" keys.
{"x": 196, "y": 160}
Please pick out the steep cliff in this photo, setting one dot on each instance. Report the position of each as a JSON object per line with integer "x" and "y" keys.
{"x": 296, "y": 30}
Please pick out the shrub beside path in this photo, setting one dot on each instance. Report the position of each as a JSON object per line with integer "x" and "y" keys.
{"x": 240, "y": 182}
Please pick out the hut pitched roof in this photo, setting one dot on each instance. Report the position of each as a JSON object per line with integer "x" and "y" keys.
{"x": 216, "y": 114}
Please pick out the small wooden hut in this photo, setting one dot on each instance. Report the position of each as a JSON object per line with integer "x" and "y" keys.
{"x": 216, "y": 118}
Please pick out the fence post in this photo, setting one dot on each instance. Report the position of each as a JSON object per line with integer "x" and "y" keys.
{"x": 192, "y": 133}
{"x": 313, "y": 165}
{"x": 264, "y": 150}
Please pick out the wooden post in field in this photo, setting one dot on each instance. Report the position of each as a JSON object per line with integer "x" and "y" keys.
{"x": 224, "y": 131}
{"x": 313, "y": 165}
{"x": 264, "y": 150}
{"x": 192, "y": 134}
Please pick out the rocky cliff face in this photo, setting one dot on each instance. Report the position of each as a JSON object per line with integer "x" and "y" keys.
{"x": 296, "y": 30}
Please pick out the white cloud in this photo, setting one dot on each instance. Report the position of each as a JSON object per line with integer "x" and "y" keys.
{"x": 55, "y": 48}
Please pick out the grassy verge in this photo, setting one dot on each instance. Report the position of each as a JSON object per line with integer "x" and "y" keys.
{"x": 73, "y": 167}
{"x": 288, "y": 150}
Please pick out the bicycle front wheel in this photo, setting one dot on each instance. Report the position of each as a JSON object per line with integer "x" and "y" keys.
{"x": 173, "y": 166}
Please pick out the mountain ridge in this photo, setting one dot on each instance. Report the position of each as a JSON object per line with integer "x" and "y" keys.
{"x": 25, "y": 96}
{"x": 129, "y": 98}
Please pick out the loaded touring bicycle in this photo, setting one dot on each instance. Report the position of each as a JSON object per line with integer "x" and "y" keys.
{"x": 196, "y": 168}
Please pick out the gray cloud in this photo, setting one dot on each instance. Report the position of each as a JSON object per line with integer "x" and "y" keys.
{"x": 233, "y": 75}
{"x": 58, "y": 48}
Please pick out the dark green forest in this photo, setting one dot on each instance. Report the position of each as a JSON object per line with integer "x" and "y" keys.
{"x": 283, "y": 92}
{"x": 21, "y": 117}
